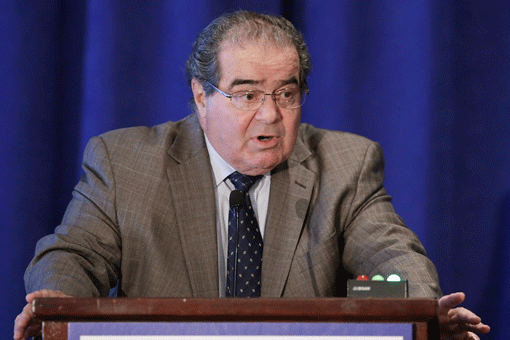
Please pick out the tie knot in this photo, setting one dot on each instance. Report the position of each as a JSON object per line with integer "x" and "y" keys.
{"x": 243, "y": 182}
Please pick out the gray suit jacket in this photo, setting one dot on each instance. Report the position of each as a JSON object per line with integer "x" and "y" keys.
{"x": 142, "y": 218}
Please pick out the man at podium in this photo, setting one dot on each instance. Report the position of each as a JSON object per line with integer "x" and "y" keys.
{"x": 238, "y": 199}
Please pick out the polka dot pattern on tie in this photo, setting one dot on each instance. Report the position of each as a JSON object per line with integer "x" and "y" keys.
{"x": 249, "y": 251}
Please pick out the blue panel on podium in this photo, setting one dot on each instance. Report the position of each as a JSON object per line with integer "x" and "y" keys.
{"x": 242, "y": 330}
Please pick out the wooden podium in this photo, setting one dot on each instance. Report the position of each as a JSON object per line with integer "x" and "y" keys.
{"x": 58, "y": 313}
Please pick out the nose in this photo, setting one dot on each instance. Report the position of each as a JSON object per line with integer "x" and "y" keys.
{"x": 269, "y": 112}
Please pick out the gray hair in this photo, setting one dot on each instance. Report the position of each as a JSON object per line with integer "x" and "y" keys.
{"x": 240, "y": 27}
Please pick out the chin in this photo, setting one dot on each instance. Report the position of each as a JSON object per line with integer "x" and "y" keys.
{"x": 266, "y": 166}
{"x": 260, "y": 163}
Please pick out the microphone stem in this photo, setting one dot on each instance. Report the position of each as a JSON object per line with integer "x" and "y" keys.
{"x": 236, "y": 251}
{"x": 236, "y": 201}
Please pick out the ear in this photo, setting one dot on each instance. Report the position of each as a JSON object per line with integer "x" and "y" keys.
{"x": 199, "y": 97}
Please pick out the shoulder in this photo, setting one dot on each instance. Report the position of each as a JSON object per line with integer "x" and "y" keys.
{"x": 157, "y": 136}
{"x": 142, "y": 145}
{"x": 332, "y": 145}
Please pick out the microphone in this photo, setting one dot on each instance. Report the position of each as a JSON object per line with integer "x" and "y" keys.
{"x": 236, "y": 201}
{"x": 236, "y": 198}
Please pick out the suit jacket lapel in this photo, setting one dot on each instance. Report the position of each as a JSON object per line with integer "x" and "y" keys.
{"x": 192, "y": 189}
{"x": 291, "y": 191}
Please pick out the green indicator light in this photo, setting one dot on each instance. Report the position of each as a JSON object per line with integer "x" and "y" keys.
{"x": 377, "y": 278}
{"x": 393, "y": 278}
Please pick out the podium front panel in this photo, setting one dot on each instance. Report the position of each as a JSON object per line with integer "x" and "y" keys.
{"x": 239, "y": 331}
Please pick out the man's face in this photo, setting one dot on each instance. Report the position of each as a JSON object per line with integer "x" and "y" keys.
{"x": 253, "y": 142}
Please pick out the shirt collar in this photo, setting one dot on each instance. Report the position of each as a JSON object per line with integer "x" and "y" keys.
{"x": 221, "y": 169}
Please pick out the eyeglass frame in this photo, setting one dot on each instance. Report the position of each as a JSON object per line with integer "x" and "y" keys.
{"x": 273, "y": 95}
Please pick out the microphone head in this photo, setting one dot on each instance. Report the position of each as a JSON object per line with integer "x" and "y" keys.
{"x": 236, "y": 198}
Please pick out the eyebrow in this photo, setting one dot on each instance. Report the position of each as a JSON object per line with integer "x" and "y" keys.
{"x": 236, "y": 82}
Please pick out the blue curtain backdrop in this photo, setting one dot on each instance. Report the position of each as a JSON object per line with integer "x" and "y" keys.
{"x": 428, "y": 79}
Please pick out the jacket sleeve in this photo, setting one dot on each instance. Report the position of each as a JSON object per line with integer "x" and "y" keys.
{"x": 377, "y": 241}
{"x": 82, "y": 256}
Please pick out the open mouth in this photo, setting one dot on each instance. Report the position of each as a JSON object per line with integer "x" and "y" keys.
{"x": 264, "y": 138}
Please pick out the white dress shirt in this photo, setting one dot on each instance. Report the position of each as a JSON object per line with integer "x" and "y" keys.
{"x": 259, "y": 196}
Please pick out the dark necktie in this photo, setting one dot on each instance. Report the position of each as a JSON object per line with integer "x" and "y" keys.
{"x": 249, "y": 251}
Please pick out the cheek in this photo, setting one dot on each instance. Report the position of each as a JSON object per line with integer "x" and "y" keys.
{"x": 218, "y": 120}
{"x": 231, "y": 130}
{"x": 291, "y": 129}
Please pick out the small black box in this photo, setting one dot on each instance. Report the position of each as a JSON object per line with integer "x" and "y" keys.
{"x": 377, "y": 289}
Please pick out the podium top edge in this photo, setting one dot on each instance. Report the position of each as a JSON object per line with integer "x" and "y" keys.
{"x": 235, "y": 309}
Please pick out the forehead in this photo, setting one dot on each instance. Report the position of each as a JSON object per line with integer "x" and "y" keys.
{"x": 257, "y": 62}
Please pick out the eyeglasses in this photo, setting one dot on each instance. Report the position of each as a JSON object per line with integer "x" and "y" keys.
{"x": 289, "y": 97}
